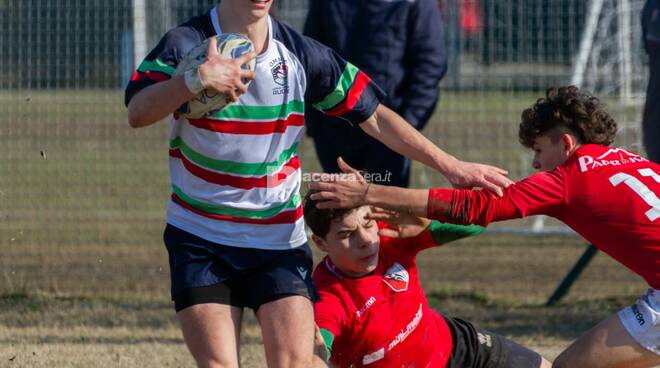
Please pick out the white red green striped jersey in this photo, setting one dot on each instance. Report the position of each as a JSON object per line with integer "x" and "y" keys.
{"x": 235, "y": 174}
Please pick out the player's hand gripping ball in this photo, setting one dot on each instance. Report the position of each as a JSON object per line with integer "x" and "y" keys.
{"x": 209, "y": 101}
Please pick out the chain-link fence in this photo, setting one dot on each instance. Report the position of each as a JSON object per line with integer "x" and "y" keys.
{"x": 82, "y": 195}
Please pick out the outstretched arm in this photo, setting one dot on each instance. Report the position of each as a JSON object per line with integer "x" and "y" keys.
{"x": 539, "y": 194}
{"x": 352, "y": 190}
{"x": 388, "y": 127}
{"x": 447, "y": 205}
{"x": 421, "y": 232}
{"x": 338, "y": 88}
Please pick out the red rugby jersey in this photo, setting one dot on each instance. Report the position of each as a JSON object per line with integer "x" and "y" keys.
{"x": 382, "y": 320}
{"x": 607, "y": 195}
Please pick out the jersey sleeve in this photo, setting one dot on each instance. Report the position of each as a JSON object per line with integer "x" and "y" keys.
{"x": 160, "y": 63}
{"x": 436, "y": 234}
{"x": 443, "y": 233}
{"x": 337, "y": 87}
{"x": 540, "y": 193}
{"x": 329, "y": 315}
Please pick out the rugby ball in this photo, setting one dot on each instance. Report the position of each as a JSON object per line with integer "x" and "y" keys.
{"x": 210, "y": 101}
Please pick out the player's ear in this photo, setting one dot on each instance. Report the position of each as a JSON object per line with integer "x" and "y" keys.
{"x": 569, "y": 143}
{"x": 320, "y": 243}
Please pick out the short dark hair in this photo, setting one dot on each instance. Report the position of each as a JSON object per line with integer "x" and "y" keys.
{"x": 319, "y": 220}
{"x": 568, "y": 110}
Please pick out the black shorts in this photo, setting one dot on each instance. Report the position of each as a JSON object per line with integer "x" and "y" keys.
{"x": 206, "y": 272}
{"x": 477, "y": 348}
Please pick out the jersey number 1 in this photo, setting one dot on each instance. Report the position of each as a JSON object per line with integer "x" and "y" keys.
{"x": 642, "y": 190}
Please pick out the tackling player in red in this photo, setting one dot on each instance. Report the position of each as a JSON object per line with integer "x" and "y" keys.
{"x": 371, "y": 309}
{"x": 608, "y": 195}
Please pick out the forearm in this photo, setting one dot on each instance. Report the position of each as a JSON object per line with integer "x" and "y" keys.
{"x": 469, "y": 206}
{"x": 389, "y": 128}
{"x": 157, "y": 101}
{"x": 412, "y": 201}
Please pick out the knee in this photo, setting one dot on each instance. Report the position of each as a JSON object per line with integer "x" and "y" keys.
{"x": 294, "y": 359}
{"x": 561, "y": 362}
{"x": 215, "y": 363}
{"x": 556, "y": 364}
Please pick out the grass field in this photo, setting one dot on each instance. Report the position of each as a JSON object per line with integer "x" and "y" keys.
{"x": 47, "y": 331}
{"x": 83, "y": 272}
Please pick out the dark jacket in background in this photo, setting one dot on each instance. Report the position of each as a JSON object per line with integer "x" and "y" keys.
{"x": 398, "y": 43}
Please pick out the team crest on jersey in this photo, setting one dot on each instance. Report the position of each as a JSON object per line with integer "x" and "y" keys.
{"x": 397, "y": 278}
{"x": 279, "y": 70}
{"x": 280, "y": 73}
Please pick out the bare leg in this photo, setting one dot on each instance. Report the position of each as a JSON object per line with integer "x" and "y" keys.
{"x": 607, "y": 345}
{"x": 287, "y": 326}
{"x": 212, "y": 332}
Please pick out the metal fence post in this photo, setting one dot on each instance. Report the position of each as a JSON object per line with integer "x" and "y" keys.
{"x": 572, "y": 275}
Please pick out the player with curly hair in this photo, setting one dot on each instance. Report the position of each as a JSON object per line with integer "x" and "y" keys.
{"x": 608, "y": 195}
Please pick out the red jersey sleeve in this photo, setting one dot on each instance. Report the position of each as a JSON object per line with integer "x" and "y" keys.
{"x": 540, "y": 193}
{"x": 329, "y": 313}
{"x": 412, "y": 246}
{"x": 408, "y": 246}
{"x": 435, "y": 235}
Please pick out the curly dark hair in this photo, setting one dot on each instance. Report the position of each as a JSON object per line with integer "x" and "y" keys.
{"x": 567, "y": 110}
{"x": 319, "y": 220}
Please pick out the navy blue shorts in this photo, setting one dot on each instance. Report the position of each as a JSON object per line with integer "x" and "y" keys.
{"x": 206, "y": 272}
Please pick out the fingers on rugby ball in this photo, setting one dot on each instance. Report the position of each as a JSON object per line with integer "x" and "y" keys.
{"x": 210, "y": 101}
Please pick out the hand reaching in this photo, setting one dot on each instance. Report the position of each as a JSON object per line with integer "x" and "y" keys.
{"x": 346, "y": 190}
{"x": 319, "y": 344}
{"x": 467, "y": 175}
{"x": 403, "y": 225}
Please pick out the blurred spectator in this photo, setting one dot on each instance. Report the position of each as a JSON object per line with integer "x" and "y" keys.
{"x": 470, "y": 18}
{"x": 400, "y": 44}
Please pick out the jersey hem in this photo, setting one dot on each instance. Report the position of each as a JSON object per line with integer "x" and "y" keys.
{"x": 237, "y": 244}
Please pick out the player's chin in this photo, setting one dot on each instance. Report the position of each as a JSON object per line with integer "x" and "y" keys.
{"x": 369, "y": 263}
